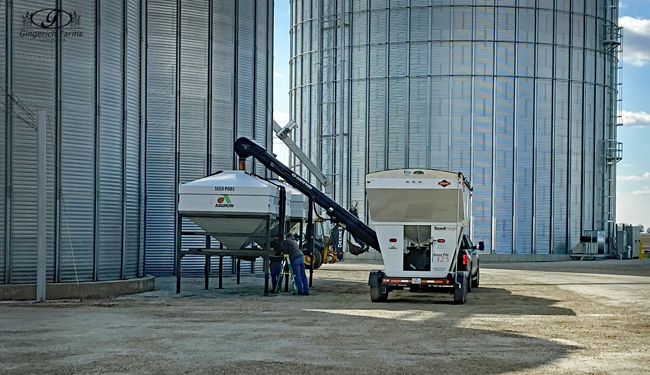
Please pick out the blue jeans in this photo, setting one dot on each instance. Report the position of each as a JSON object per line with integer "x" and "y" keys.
{"x": 275, "y": 274}
{"x": 300, "y": 277}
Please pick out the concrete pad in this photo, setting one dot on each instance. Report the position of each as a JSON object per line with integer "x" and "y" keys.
{"x": 99, "y": 289}
{"x": 531, "y": 318}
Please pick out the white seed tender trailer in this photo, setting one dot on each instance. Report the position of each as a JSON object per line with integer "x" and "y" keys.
{"x": 420, "y": 217}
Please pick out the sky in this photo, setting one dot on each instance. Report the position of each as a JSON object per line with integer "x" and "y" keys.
{"x": 633, "y": 177}
{"x": 281, "y": 55}
{"x": 633, "y": 172}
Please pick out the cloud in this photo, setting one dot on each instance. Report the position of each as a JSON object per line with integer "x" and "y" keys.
{"x": 644, "y": 177}
{"x": 636, "y": 49}
{"x": 282, "y": 118}
{"x": 644, "y": 191}
{"x": 276, "y": 74}
{"x": 636, "y": 119}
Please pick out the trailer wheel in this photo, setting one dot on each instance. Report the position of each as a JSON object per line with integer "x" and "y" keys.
{"x": 475, "y": 282}
{"x": 378, "y": 294}
{"x": 460, "y": 294}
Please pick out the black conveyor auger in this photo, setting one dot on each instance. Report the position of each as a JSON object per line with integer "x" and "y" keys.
{"x": 245, "y": 147}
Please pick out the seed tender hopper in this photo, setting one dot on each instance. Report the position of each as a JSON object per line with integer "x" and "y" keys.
{"x": 241, "y": 211}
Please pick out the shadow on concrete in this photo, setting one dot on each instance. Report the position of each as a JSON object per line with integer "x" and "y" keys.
{"x": 488, "y": 300}
{"x": 431, "y": 334}
{"x": 335, "y": 330}
{"x": 421, "y": 331}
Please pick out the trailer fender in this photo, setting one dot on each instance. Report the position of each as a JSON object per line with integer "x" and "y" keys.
{"x": 374, "y": 279}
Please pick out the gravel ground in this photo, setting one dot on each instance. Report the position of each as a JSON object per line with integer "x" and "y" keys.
{"x": 526, "y": 318}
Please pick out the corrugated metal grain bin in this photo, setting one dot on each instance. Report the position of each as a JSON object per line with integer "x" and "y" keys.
{"x": 520, "y": 96}
{"x": 209, "y": 81}
{"x": 152, "y": 96}
{"x": 87, "y": 76}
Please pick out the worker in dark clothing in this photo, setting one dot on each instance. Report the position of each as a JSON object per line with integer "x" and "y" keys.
{"x": 291, "y": 248}
{"x": 275, "y": 265}
{"x": 276, "y": 268}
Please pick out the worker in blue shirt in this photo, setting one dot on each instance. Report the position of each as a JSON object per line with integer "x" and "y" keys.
{"x": 290, "y": 247}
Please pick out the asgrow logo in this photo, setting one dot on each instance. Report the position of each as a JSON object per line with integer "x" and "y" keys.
{"x": 224, "y": 201}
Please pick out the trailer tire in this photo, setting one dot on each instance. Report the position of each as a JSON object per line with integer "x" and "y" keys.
{"x": 378, "y": 294}
{"x": 475, "y": 282}
{"x": 460, "y": 294}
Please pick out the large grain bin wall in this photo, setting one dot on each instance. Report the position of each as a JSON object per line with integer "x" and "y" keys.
{"x": 519, "y": 95}
{"x": 209, "y": 81}
{"x": 152, "y": 96}
{"x": 87, "y": 76}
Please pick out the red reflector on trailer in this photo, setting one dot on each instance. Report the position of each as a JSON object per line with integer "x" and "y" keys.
{"x": 465, "y": 259}
{"x": 441, "y": 240}
{"x": 393, "y": 240}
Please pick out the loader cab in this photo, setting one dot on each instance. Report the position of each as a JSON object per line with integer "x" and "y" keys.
{"x": 319, "y": 230}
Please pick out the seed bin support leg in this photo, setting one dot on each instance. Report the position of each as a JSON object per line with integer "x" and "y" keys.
{"x": 221, "y": 271}
{"x": 208, "y": 264}
{"x": 238, "y": 271}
